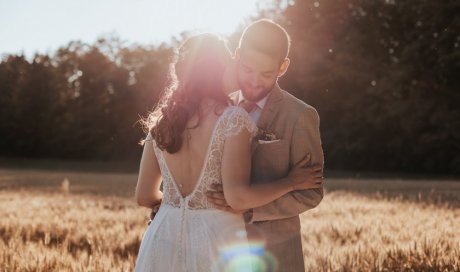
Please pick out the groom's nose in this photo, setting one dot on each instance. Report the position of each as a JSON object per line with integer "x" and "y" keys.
{"x": 255, "y": 81}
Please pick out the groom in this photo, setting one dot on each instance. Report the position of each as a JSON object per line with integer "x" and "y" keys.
{"x": 288, "y": 142}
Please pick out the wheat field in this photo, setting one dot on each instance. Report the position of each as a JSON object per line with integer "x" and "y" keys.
{"x": 94, "y": 224}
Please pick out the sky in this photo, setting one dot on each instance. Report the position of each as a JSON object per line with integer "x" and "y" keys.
{"x": 29, "y": 26}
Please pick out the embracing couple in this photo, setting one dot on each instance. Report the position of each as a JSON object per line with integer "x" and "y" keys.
{"x": 237, "y": 168}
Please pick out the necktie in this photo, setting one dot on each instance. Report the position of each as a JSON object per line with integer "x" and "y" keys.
{"x": 247, "y": 105}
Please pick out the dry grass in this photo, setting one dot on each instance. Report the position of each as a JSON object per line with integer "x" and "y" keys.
{"x": 350, "y": 232}
{"x": 57, "y": 232}
{"x": 361, "y": 225}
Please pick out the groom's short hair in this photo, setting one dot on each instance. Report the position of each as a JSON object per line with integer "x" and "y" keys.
{"x": 267, "y": 37}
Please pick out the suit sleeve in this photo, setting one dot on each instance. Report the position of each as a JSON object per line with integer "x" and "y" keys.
{"x": 305, "y": 140}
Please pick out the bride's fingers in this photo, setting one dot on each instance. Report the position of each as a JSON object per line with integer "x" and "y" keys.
{"x": 316, "y": 170}
{"x": 318, "y": 175}
{"x": 305, "y": 160}
{"x": 317, "y": 185}
{"x": 317, "y": 167}
{"x": 319, "y": 180}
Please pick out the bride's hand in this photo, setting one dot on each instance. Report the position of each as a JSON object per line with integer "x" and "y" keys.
{"x": 305, "y": 176}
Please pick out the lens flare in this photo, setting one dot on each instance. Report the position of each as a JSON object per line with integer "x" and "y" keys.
{"x": 250, "y": 257}
{"x": 243, "y": 255}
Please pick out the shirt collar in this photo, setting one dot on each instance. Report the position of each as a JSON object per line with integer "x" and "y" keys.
{"x": 261, "y": 103}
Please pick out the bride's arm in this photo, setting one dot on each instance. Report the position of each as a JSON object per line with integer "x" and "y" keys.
{"x": 236, "y": 169}
{"x": 148, "y": 192}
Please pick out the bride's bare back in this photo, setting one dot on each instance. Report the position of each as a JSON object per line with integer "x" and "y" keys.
{"x": 186, "y": 164}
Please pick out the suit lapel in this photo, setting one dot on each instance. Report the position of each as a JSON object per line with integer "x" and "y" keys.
{"x": 271, "y": 108}
{"x": 268, "y": 112}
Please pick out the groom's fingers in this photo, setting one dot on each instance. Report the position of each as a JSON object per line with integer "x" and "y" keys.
{"x": 220, "y": 201}
{"x": 227, "y": 208}
{"x": 152, "y": 214}
{"x": 217, "y": 187}
{"x": 216, "y": 195}
{"x": 222, "y": 206}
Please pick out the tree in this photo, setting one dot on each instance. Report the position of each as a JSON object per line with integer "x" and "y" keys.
{"x": 381, "y": 74}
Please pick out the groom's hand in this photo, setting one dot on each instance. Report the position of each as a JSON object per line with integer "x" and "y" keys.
{"x": 153, "y": 212}
{"x": 216, "y": 197}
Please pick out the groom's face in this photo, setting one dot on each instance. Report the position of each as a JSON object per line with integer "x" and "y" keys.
{"x": 257, "y": 73}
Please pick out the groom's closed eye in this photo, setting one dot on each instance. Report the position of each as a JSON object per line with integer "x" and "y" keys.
{"x": 267, "y": 75}
{"x": 247, "y": 69}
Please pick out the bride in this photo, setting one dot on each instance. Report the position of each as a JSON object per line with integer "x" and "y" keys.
{"x": 197, "y": 138}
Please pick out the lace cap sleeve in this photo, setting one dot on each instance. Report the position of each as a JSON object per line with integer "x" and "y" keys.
{"x": 149, "y": 137}
{"x": 237, "y": 119}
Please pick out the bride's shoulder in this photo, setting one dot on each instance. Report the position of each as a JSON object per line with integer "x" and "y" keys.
{"x": 238, "y": 118}
{"x": 235, "y": 111}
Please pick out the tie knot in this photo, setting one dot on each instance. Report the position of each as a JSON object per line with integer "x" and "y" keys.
{"x": 247, "y": 105}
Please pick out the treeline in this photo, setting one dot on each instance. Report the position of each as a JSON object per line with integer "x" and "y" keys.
{"x": 383, "y": 76}
{"x": 82, "y": 103}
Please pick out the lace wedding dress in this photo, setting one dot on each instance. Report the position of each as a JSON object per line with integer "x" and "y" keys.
{"x": 188, "y": 233}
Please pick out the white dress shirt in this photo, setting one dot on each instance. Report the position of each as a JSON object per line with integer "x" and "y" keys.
{"x": 257, "y": 111}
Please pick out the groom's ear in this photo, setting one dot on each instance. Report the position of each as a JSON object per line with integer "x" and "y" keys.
{"x": 237, "y": 54}
{"x": 284, "y": 66}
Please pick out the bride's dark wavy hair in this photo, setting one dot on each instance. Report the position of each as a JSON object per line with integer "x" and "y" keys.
{"x": 196, "y": 73}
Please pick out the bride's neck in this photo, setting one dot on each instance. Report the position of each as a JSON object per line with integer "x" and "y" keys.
{"x": 208, "y": 105}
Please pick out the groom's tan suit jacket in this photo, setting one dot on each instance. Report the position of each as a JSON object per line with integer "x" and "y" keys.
{"x": 296, "y": 125}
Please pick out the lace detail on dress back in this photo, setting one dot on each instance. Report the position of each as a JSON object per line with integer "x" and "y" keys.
{"x": 171, "y": 195}
{"x": 230, "y": 123}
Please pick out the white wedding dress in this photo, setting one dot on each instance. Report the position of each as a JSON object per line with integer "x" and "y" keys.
{"x": 188, "y": 233}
